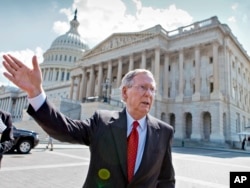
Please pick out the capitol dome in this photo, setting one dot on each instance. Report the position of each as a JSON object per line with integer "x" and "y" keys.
{"x": 71, "y": 39}
{"x": 64, "y": 51}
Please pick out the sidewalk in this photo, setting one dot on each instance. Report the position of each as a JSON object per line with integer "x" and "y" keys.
{"x": 79, "y": 146}
{"x": 247, "y": 151}
{"x": 62, "y": 146}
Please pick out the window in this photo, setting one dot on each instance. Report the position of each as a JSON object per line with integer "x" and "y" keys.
{"x": 62, "y": 76}
{"x": 68, "y": 75}
{"x": 57, "y": 74}
{"x": 211, "y": 87}
{"x": 211, "y": 60}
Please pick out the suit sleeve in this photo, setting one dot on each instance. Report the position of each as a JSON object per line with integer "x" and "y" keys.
{"x": 7, "y": 140}
{"x": 62, "y": 128}
{"x": 167, "y": 175}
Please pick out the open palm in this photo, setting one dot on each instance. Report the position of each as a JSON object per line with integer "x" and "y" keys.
{"x": 27, "y": 79}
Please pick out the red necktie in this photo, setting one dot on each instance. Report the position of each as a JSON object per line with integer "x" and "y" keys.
{"x": 132, "y": 150}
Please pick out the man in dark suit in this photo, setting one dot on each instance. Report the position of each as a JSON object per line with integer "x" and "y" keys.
{"x": 245, "y": 140}
{"x": 108, "y": 133}
{"x": 6, "y": 134}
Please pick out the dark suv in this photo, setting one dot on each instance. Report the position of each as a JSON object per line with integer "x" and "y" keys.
{"x": 25, "y": 140}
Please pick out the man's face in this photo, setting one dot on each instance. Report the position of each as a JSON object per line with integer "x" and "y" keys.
{"x": 139, "y": 97}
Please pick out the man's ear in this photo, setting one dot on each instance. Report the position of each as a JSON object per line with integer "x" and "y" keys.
{"x": 124, "y": 93}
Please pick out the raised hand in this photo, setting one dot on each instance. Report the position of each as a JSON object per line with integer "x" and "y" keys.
{"x": 27, "y": 79}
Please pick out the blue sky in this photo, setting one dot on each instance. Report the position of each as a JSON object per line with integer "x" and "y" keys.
{"x": 29, "y": 27}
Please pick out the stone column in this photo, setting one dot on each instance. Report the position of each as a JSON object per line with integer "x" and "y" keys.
{"x": 143, "y": 59}
{"x": 60, "y": 75}
{"x": 119, "y": 73}
{"x": 72, "y": 87}
{"x": 109, "y": 75}
{"x": 50, "y": 74}
{"x": 196, "y": 96}
{"x": 217, "y": 125}
{"x": 3, "y": 104}
{"x": 228, "y": 62}
{"x": 216, "y": 93}
{"x": 9, "y": 105}
{"x": 91, "y": 82}
{"x": 100, "y": 80}
{"x": 179, "y": 125}
{"x": 21, "y": 107}
{"x": 237, "y": 97}
{"x": 54, "y": 75}
{"x": 131, "y": 62}
{"x": 179, "y": 98}
{"x": 166, "y": 76}
{"x": 47, "y": 75}
{"x": 17, "y": 107}
{"x": 157, "y": 70}
{"x": 196, "y": 124}
{"x": 152, "y": 66}
{"x": 65, "y": 75}
{"x": 79, "y": 83}
{"x": 83, "y": 85}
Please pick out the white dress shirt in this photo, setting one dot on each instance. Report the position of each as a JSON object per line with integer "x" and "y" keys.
{"x": 142, "y": 130}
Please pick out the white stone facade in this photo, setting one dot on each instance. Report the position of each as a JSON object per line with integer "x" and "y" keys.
{"x": 201, "y": 70}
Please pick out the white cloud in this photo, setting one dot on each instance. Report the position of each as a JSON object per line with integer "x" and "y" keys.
{"x": 234, "y": 6}
{"x": 25, "y": 56}
{"x": 138, "y": 4}
{"x": 100, "y": 20}
{"x": 60, "y": 27}
{"x": 232, "y": 19}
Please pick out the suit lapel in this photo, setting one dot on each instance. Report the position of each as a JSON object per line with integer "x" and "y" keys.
{"x": 119, "y": 132}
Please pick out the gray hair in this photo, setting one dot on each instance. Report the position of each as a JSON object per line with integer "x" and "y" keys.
{"x": 127, "y": 80}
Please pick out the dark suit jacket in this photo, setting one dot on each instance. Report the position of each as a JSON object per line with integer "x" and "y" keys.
{"x": 7, "y": 134}
{"x": 106, "y": 135}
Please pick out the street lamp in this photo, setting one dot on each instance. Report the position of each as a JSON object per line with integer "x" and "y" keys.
{"x": 106, "y": 86}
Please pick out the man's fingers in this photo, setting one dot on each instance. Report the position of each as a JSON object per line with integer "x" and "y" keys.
{"x": 35, "y": 64}
{"x": 17, "y": 62}
{"x": 9, "y": 68}
{"x": 13, "y": 63}
{"x": 8, "y": 61}
{"x": 10, "y": 77}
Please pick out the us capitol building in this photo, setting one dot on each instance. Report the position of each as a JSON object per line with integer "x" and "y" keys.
{"x": 201, "y": 70}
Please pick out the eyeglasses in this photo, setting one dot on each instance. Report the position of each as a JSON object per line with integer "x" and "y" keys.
{"x": 143, "y": 89}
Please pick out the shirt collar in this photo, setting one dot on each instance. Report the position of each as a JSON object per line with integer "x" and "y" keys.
{"x": 130, "y": 120}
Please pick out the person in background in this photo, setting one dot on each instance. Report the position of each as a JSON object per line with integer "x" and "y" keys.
{"x": 50, "y": 143}
{"x": 6, "y": 133}
{"x": 246, "y": 138}
{"x": 128, "y": 148}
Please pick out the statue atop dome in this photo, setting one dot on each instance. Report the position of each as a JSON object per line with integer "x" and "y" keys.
{"x": 75, "y": 17}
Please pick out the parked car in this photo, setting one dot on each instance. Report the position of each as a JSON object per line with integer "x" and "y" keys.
{"x": 25, "y": 140}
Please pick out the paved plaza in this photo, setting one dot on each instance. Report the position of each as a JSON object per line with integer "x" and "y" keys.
{"x": 67, "y": 166}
